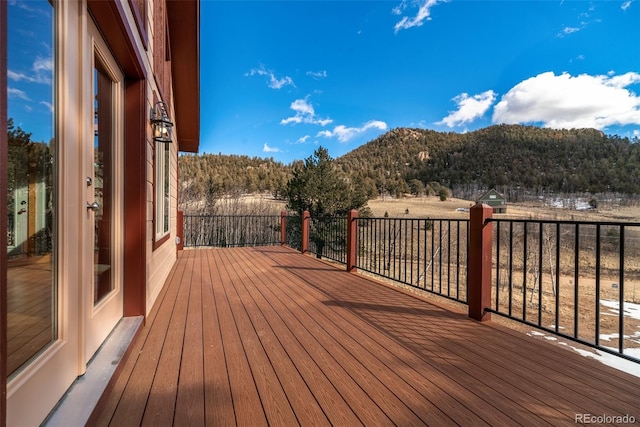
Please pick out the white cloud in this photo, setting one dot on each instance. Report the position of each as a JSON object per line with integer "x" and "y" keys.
{"x": 43, "y": 64}
{"x": 344, "y": 134}
{"x": 317, "y": 74}
{"x": 17, "y": 93}
{"x": 469, "y": 108}
{"x": 585, "y": 19}
{"x": 48, "y": 105}
{"x": 12, "y": 75}
{"x": 568, "y": 30}
{"x": 303, "y": 107}
{"x": 626, "y": 5}
{"x": 423, "y": 14}
{"x": 268, "y": 149}
{"x": 399, "y": 8}
{"x": 624, "y": 80}
{"x": 42, "y": 72}
{"x": 304, "y": 114}
{"x": 303, "y": 139}
{"x": 273, "y": 81}
{"x": 24, "y": 5}
{"x": 565, "y": 101}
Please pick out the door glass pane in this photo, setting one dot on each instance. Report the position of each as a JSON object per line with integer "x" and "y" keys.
{"x": 103, "y": 182}
{"x": 31, "y": 287}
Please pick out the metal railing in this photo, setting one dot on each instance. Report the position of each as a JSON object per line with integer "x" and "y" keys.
{"x": 577, "y": 280}
{"x": 429, "y": 254}
{"x": 231, "y": 230}
{"x": 328, "y": 238}
{"x": 293, "y": 233}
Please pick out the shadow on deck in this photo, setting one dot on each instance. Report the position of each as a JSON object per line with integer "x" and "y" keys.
{"x": 258, "y": 336}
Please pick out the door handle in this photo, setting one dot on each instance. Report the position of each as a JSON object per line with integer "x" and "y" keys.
{"x": 93, "y": 206}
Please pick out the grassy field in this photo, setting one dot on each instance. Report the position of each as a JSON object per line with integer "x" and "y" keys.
{"x": 432, "y": 207}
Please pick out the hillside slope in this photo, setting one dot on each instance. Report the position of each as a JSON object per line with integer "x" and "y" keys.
{"x": 403, "y": 160}
{"x": 570, "y": 161}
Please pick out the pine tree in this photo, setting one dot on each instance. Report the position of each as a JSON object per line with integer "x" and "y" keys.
{"x": 319, "y": 187}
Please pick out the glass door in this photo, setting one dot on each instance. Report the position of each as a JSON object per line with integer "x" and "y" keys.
{"x": 104, "y": 198}
{"x": 65, "y": 204}
{"x": 32, "y": 207}
{"x": 42, "y": 332}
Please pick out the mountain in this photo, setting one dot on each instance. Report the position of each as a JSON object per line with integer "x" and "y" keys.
{"x": 568, "y": 161}
{"x": 212, "y": 175}
{"x": 403, "y": 160}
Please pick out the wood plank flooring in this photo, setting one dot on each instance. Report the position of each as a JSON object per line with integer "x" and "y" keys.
{"x": 267, "y": 336}
{"x": 29, "y": 309}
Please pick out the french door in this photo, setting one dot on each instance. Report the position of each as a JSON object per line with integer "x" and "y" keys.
{"x": 104, "y": 202}
{"x": 65, "y": 207}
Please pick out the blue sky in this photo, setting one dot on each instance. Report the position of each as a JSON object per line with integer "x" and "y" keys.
{"x": 280, "y": 78}
{"x": 30, "y": 67}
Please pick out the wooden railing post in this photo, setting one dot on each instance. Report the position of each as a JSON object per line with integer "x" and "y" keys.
{"x": 352, "y": 240}
{"x": 283, "y": 228}
{"x": 480, "y": 247}
{"x": 180, "y": 231}
{"x": 304, "y": 247}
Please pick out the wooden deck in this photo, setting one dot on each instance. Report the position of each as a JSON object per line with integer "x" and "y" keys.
{"x": 266, "y": 336}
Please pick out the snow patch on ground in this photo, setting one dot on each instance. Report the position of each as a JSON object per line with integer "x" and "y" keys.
{"x": 625, "y": 365}
{"x": 631, "y": 311}
{"x": 578, "y": 204}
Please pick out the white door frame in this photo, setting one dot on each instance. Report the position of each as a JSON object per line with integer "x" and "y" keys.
{"x": 103, "y": 316}
{"x": 46, "y": 378}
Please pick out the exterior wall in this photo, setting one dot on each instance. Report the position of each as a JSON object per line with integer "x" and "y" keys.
{"x": 129, "y": 34}
{"x": 160, "y": 256}
{"x": 160, "y": 259}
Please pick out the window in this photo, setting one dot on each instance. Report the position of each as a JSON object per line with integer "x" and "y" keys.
{"x": 32, "y": 183}
{"x": 163, "y": 190}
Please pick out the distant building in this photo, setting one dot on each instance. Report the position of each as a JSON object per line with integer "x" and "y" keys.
{"x": 495, "y": 200}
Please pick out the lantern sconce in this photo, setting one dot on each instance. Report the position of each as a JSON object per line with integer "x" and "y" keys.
{"x": 162, "y": 126}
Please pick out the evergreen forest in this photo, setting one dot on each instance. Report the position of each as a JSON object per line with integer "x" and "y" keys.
{"x": 514, "y": 159}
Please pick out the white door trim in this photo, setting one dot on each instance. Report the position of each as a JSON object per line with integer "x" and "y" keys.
{"x": 101, "y": 318}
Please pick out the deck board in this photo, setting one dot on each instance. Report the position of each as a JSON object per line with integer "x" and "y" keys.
{"x": 265, "y": 389}
{"x": 512, "y": 368}
{"x": 246, "y": 400}
{"x": 190, "y": 399}
{"x": 311, "y": 390}
{"x": 266, "y": 336}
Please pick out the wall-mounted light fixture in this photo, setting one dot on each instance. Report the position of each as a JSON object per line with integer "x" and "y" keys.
{"x": 162, "y": 126}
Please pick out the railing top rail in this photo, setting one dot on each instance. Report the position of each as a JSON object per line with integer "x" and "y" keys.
{"x": 363, "y": 218}
{"x": 566, "y": 222}
{"x": 230, "y": 216}
{"x": 329, "y": 217}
